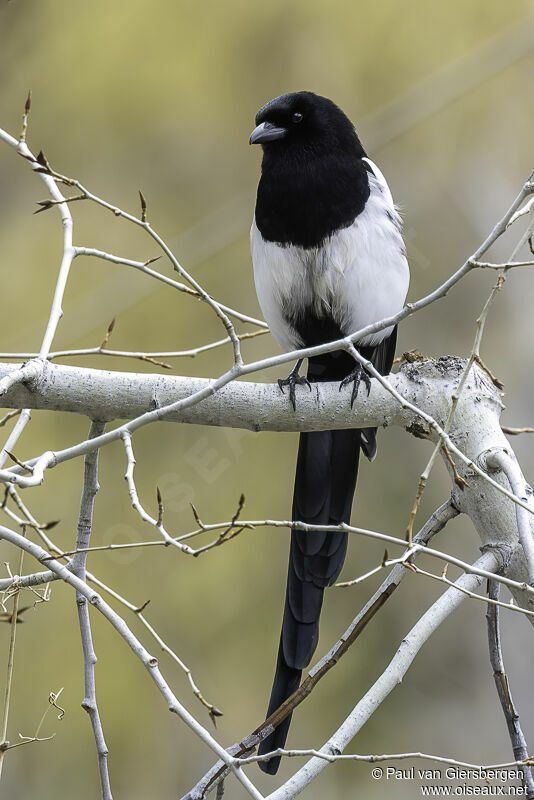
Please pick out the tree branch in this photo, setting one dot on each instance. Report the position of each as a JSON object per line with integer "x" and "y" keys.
{"x": 77, "y": 567}
{"x": 519, "y": 745}
{"x": 502, "y": 459}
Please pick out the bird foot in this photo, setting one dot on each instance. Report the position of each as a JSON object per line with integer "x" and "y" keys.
{"x": 292, "y": 380}
{"x": 355, "y": 377}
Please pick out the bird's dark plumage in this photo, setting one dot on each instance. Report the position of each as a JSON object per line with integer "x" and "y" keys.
{"x": 328, "y": 260}
{"x": 297, "y": 205}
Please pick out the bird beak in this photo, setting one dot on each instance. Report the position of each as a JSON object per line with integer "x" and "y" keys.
{"x": 266, "y": 132}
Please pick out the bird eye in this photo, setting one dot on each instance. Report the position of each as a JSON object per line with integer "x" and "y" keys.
{"x": 297, "y": 116}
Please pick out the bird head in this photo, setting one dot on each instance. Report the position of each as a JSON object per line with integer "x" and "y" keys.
{"x": 304, "y": 122}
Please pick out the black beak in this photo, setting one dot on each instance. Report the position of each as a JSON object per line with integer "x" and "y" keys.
{"x": 266, "y": 132}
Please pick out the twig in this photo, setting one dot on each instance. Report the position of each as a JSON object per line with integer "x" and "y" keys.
{"x": 522, "y": 211}
{"x": 9, "y": 416}
{"x": 143, "y": 267}
{"x": 142, "y": 356}
{"x": 129, "y": 476}
{"x": 56, "y": 311}
{"x": 519, "y": 745}
{"x": 502, "y": 265}
{"x": 78, "y": 568}
{"x": 472, "y": 595}
{"x": 4, "y": 744}
{"x": 501, "y": 460}
{"x": 502, "y": 770}
{"x": 52, "y": 702}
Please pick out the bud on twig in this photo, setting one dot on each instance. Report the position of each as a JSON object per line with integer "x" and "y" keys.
{"x": 143, "y": 205}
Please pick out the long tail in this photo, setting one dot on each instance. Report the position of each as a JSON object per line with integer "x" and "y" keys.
{"x": 327, "y": 467}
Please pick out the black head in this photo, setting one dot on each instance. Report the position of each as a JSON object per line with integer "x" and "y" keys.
{"x": 304, "y": 122}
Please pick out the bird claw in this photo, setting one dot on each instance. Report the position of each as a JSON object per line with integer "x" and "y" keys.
{"x": 357, "y": 375}
{"x": 292, "y": 380}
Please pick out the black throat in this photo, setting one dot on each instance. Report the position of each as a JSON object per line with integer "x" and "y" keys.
{"x": 303, "y": 201}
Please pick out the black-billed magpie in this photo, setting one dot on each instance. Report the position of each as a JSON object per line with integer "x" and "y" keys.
{"x": 328, "y": 260}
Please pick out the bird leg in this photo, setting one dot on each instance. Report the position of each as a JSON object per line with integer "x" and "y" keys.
{"x": 292, "y": 380}
{"x": 356, "y": 376}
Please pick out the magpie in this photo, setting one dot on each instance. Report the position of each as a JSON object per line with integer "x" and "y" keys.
{"x": 328, "y": 260}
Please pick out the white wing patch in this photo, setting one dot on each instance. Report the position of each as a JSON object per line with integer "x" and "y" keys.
{"x": 381, "y": 182}
{"x": 359, "y": 275}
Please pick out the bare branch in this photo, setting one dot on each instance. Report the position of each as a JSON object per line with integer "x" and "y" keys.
{"x": 157, "y": 523}
{"x": 78, "y": 568}
{"x": 150, "y": 356}
{"x": 9, "y": 673}
{"x": 500, "y": 459}
{"x": 482, "y": 769}
{"x": 519, "y": 745}
{"x": 143, "y": 267}
{"x": 515, "y": 431}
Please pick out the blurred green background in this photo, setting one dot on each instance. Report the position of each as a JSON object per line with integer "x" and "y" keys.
{"x": 162, "y": 96}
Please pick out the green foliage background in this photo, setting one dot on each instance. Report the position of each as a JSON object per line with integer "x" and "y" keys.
{"x": 162, "y": 96}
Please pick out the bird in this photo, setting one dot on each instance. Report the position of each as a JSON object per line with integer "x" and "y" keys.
{"x": 328, "y": 259}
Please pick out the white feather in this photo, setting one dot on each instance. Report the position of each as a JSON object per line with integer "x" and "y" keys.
{"x": 359, "y": 274}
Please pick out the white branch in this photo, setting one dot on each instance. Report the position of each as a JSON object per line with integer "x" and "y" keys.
{"x": 149, "y": 355}
{"x": 104, "y": 395}
{"x": 378, "y": 758}
{"x": 78, "y": 568}
{"x": 242, "y": 405}
{"x": 502, "y": 459}
{"x": 142, "y": 266}
{"x": 129, "y": 476}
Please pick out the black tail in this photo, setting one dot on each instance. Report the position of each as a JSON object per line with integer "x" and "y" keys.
{"x": 327, "y": 468}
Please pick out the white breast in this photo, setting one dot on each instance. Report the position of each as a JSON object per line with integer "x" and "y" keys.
{"x": 359, "y": 275}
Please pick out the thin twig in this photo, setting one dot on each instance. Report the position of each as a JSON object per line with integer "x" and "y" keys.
{"x": 519, "y": 745}
{"x": 157, "y": 523}
{"x": 503, "y": 770}
{"x": 10, "y": 415}
{"x": 78, "y": 568}
{"x": 4, "y": 744}
{"x": 143, "y": 267}
{"x": 515, "y": 431}
{"x": 150, "y": 356}
{"x": 500, "y": 459}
